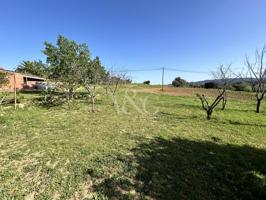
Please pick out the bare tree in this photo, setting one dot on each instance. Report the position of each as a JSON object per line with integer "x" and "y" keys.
{"x": 257, "y": 75}
{"x": 113, "y": 82}
{"x": 224, "y": 76}
{"x": 91, "y": 75}
{"x": 209, "y": 107}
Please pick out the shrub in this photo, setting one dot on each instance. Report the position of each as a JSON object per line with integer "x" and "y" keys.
{"x": 241, "y": 87}
{"x": 147, "y": 82}
{"x": 179, "y": 82}
{"x": 210, "y": 85}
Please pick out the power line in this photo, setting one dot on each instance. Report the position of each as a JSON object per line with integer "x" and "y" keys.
{"x": 138, "y": 70}
{"x": 160, "y": 69}
{"x": 187, "y": 71}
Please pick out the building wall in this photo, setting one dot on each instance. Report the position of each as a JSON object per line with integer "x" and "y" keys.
{"x": 16, "y": 80}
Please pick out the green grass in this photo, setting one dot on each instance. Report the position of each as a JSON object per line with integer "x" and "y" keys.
{"x": 174, "y": 153}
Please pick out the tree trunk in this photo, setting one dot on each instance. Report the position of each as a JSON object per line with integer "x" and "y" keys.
{"x": 209, "y": 113}
{"x": 113, "y": 100}
{"x": 92, "y": 104}
{"x": 224, "y": 104}
{"x": 258, "y": 105}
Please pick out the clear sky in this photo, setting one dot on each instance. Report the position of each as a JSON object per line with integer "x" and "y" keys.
{"x": 195, "y": 35}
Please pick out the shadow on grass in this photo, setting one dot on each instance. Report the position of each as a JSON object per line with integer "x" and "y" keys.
{"x": 184, "y": 169}
{"x": 236, "y": 123}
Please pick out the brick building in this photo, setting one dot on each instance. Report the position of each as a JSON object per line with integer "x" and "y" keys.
{"x": 20, "y": 81}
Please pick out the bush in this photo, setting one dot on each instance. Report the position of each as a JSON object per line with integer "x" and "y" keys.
{"x": 210, "y": 85}
{"x": 179, "y": 82}
{"x": 241, "y": 87}
{"x": 147, "y": 82}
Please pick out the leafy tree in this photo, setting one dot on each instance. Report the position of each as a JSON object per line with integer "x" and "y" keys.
{"x": 65, "y": 59}
{"x": 37, "y": 68}
{"x": 210, "y": 85}
{"x": 147, "y": 82}
{"x": 242, "y": 86}
{"x": 179, "y": 82}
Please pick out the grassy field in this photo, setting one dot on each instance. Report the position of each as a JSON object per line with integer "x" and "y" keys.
{"x": 154, "y": 146}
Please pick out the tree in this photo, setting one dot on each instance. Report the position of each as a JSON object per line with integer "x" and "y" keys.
{"x": 37, "y": 68}
{"x": 242, "y": 86}
{"x": 91, "y": 75}
{"x": 257, "y": 74}
{"x": 64, "y": 61}
{"x": 114, "y": 80}
{"x": 210, "y": 85}
{"x": 222, "y": 75}
{"x": 179, "y": 82}
{"x": 209, "y": 107}
{"x": 147, "y": 82}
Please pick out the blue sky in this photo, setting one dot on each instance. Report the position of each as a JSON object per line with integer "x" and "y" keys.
{"x": 137, "y": 34}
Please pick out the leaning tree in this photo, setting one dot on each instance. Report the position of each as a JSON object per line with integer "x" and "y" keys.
{"x": 256, "y": 71}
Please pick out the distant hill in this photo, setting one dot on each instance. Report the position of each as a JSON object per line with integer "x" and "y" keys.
{"x": 219, "y": 81}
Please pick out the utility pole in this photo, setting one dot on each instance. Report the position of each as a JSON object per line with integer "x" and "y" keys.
{"x": 162, "y": 78}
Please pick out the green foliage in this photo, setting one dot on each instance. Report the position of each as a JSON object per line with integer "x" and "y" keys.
{"x": 3, "y": 78}
{"x": 241, "y": 87}
{"x": 147, "y": 82}
{"x": 65, "y": 58}
{"x": 210, "y": 85}
{"x": 179, "y": 82}
{"x": 93, "y": 72}
{"x": 69, "y": 62}
{"x": 37, "y": 68}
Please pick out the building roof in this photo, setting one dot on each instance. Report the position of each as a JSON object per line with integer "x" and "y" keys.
{"x": 25, "y": 75}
